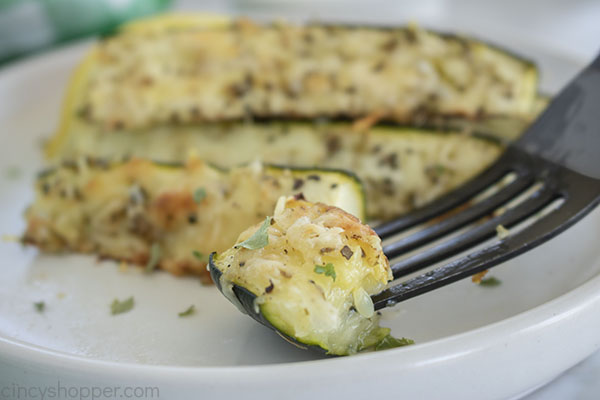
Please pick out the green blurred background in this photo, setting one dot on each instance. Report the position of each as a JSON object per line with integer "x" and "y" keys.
{"x": 571, "y": 27}
{"x": 29, "y": 25}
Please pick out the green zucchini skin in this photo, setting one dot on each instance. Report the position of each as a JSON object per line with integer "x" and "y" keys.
{"x": 246, "y": 300}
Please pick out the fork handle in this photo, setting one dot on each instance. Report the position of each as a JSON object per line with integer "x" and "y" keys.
{"x": 568, "y": 131}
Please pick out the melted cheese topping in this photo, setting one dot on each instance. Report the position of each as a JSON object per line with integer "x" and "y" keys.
{"x": 147, "y": 77}
{"x": 121, "y": 210}
{"x": 314, "y": 276}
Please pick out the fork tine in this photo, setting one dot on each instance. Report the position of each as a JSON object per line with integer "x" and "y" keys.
{"x": 572, "y": 210}
{"x": 504, "y": 165}
{"x": 460, "y": 219}
{"x": 477, "y": 235}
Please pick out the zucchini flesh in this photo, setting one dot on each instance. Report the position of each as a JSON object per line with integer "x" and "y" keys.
{"x": 161, "y": 72}
{"x": 500, "y": 127}
{"x": 314, "y": 277}
{"x": 124, "y": 210}
{"x": 402, "y": 168}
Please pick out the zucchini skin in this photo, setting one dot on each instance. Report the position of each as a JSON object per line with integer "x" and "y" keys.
{"x": 120, "y": 210}
{"x": 244, "y": 300}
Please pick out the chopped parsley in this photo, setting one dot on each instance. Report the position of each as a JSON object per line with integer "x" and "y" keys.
{"x": 155, "y": 253}
{"x": 490, "y": 282}
{"x": 40, "y": 306}
{"x": 389, "y": 342}
{"x": 191, "y": 310}
{"x": 199, "y": 195}
{"x": 200, "y": 256}
{"x": 119, "y": 307}
{"x": 327, "y": 270}
{"x": 260, "y": 238}
{"x": 440, "y": 169}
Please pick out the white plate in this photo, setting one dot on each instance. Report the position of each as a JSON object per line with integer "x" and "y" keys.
{"x": 472, "y": 342}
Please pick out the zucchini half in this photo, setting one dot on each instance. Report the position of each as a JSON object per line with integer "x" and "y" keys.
{"x": 181, "y": 70}
{"x": 401, "y": 168}
{"x": 157, "y": 214}
{"x": 311, "y": 278}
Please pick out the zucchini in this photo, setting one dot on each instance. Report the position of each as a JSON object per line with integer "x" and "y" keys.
{"x": 182, "y": 70}
{"x": 502, "y": 128}
{"x": 157, "y": 214}
{"x": 401, "y": 167}
{"x": 312, "y": 279}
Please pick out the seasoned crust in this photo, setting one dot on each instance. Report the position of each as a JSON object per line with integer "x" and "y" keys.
{"x": 191, "y": 74}
{"x": 337, "y": 217}
{"x": 121, "y": 210}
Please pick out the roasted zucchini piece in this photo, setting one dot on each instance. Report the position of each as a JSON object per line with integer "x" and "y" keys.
{"x": 184, "y": 70}
{"x": 402, "y": 168}
{"x": 311, "y": 272}
{"x": 155, "y": 214}
{"x": 501, "y": 127}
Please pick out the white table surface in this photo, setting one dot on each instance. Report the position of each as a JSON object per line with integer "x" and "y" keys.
{"x": 570, "y": 27}
{"x": 579, "y": 383}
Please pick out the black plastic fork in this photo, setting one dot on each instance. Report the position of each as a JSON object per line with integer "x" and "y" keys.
{"x": 560, "y": 152}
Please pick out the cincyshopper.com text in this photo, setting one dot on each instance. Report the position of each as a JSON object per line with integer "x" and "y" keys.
{"x": 72, "y": 392}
